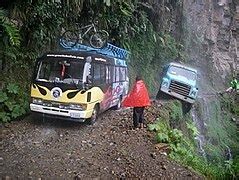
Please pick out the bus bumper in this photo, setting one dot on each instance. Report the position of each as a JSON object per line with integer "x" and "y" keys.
{"x": 74, "y": 115}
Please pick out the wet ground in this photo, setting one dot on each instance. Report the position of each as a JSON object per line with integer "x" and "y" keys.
{"x": 67, "y": 150}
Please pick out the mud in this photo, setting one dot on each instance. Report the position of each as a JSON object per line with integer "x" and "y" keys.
{"x": 69, "y": 150}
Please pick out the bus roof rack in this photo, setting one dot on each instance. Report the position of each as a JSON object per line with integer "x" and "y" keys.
{"x": 109, "y": 49}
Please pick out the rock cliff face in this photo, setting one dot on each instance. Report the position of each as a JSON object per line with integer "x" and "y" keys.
{"x": 210, "y": 36}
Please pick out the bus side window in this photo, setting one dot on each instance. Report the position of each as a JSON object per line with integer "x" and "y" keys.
{"x": 127, "y": 75}
{"x": 102, "y": 74}
{"x": 122, "y": 73}
{"x": 117, "y": 74}
{"x": 112, "y": 70}
{"x": 108, "y": 75}
{"x": 96, "y": 73}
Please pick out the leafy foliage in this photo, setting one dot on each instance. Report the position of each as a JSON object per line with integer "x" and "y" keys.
{"x": 164, "y": 133}
{"x": 29, "y": 28}
{"x": 175, "y": 109}
{"x": 184, "y": 149}
{"x": 13, "y": 102}
{"x": 191, "y": 126}
{"x": 10, "y": 34}
{"x": 230, "y": 102}
{"x": 161, "y": 128}
{"x": 33, "y": 27}
{"x": 9, "y": 41}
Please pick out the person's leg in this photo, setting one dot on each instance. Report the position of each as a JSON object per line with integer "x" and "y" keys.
{"x": 135, "y": 117}
{"x": 141, "y": 116}
{"x": 143, "y": 120}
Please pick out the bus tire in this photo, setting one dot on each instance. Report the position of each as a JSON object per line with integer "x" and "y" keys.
{"x": 94, "y": 115}
{"x": 118, "y": 105}
{"x": 36, "y": 117}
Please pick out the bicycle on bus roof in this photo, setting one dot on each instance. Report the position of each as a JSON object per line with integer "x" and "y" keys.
{"x": 84, "y": 35}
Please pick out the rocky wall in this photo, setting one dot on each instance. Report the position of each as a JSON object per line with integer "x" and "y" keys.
{"x": 210, "y": 37}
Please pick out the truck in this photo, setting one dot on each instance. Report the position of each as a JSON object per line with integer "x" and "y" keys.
{"x": 179, "y": 81}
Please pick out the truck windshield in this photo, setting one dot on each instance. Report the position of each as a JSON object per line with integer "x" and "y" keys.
{"x": 182, "y": 72}
{"x": 63, "y": 71}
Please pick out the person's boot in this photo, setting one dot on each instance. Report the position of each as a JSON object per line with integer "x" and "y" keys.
{"x": 141, "y": 125}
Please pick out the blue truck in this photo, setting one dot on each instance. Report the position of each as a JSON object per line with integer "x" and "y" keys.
{"x": 180, "y": 81}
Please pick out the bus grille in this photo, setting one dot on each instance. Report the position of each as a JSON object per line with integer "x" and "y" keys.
{"x": 179, "y": 88}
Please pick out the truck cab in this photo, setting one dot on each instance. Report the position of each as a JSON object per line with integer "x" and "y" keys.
{"x": 180, "y": 81}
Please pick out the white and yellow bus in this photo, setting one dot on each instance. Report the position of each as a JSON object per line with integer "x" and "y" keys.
{"x": 78, "y": 85}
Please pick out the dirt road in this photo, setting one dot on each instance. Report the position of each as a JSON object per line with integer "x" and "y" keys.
{"x": 67, "y": 150}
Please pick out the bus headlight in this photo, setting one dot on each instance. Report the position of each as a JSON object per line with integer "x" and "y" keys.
{"x": 37, "y": 101}
{"x": 77, "y": 106}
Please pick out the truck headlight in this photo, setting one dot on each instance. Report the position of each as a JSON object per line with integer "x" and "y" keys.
{"x": 165, "y": 84}
{"x": 36, "y": 101}
{"x": 193, "y": 93}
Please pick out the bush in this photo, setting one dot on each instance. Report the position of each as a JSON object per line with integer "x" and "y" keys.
{"x": 183, "y": 148}
{"x": 13, "y": 102}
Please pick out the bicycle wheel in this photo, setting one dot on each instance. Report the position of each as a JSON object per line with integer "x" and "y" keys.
{"x": 99, "y": 39}
{"x": 69, "y": 39}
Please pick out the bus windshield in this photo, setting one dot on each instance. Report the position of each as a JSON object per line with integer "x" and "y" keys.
{"x": 63, "y": 71}
{"x": 182, "y": 72}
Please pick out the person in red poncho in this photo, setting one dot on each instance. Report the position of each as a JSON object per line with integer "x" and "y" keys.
{"x": 138, "y": 98}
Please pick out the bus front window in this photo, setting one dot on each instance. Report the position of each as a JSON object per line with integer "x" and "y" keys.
{"x": 67, "y": 71}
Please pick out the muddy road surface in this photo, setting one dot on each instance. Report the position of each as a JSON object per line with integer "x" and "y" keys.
{"x": 67, "y": 150}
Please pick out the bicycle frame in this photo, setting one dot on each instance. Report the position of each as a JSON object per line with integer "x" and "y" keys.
{"x": 88, "y": 28}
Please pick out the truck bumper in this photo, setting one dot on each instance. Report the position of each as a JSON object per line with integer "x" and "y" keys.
{"x": 179, "y": 96}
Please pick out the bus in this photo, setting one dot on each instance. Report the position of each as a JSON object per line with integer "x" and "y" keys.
{"x": 78, "y": 84}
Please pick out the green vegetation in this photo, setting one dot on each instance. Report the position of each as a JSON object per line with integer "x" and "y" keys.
{"x": 13, "y": 101}
{"x": 31, "y": 28}
{"x": 184, "y": 147}
{"x": 227, "y": 136}
{"x": 230, "y": 102}
{"x": 222, "y": 134}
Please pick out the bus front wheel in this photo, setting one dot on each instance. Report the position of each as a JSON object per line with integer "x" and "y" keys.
{"x": 94, "y": 115}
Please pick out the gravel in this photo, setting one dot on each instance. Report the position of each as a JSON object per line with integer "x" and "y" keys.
{"x": 110, "y": 148}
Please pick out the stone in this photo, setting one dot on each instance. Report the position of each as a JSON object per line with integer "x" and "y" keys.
{"x": 153, "y": 155}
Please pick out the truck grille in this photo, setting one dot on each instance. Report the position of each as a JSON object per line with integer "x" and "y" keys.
{"x": 179, "y": 88}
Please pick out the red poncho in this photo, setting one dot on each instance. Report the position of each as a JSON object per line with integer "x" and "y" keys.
{"x": 138, "y": 97}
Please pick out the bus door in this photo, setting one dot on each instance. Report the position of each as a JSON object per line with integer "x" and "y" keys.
{"x": 120, "y": 84}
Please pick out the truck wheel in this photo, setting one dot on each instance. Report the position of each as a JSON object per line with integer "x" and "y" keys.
{"x": 94, "y": 115}
{"x": 186, "y": 107}
{"x": 161, "y": 95}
